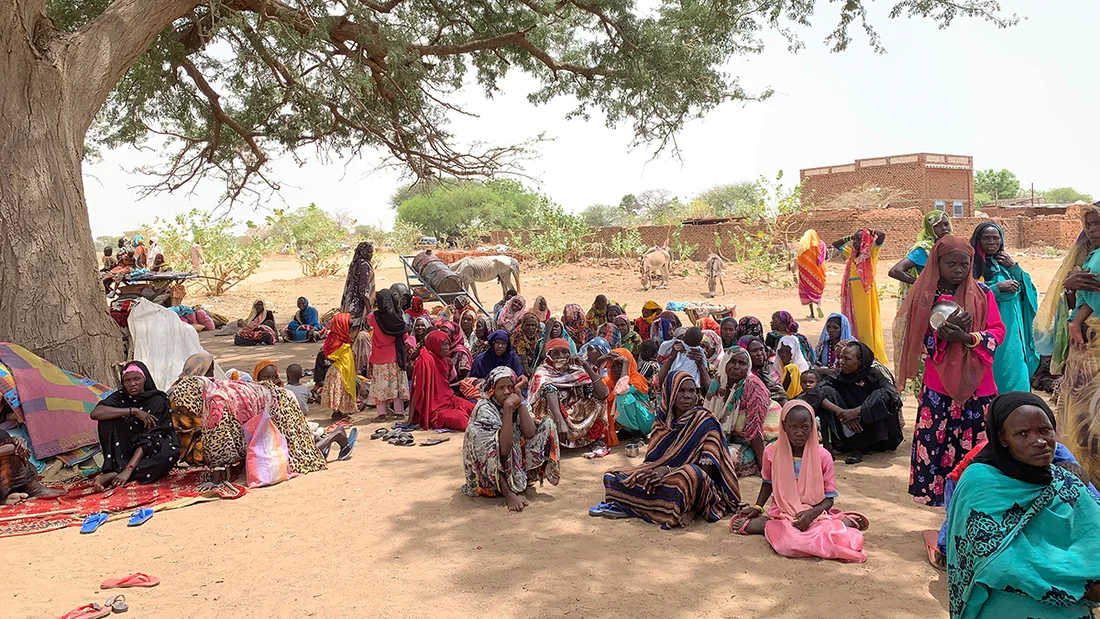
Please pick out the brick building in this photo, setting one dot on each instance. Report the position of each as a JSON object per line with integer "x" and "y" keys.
{"x": 930, "y": 181}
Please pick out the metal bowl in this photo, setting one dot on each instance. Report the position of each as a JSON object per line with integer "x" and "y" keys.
{"x": 941, "y": 312}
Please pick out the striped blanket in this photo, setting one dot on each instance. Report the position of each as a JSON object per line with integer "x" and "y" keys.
{"x": 54, "y": 403}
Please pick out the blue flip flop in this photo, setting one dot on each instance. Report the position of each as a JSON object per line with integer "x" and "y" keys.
{"x": 345, "y": 453}
{"x": 607, "y": 510}
{"x": 140, "y": 517}
{"x": 93, "y": 522}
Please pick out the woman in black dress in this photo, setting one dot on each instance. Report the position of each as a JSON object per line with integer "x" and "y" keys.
{"x": 135, "y": 431}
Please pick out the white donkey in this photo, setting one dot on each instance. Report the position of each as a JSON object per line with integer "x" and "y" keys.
{"x": 475, "y": 269}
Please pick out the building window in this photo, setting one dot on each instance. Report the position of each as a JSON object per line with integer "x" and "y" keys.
{"x": 958, "y": 208}
{"x": 940, "y": 205}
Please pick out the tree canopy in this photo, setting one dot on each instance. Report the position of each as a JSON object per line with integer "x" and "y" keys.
{"x": 992, "y": 185}
{"x": 732, "y": 200}
{"x": 472, "y": 207}
{"x": 230, "y": 84}
{"x": 1065, "y": 195}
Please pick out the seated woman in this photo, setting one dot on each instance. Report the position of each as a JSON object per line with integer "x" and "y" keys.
{"x": 216, "y": 411}
{"x": 433, "y": 404}
{"x": 631, "y": 340}
{"x": 259, "y": 328}
{"x": 513, "y": 311}
{"x": 628, "y": 401}
{"x": 798, "y": 477}
{"x": 18, "y": 477}
{"x": 499, "y": 354}
{"x": 859, "y": 408}
{"x": 783, "y": 325}
{"x": 460, "y": 356}
{"x": 1024, "y": 535}
{"x": 483, "y": 328}
{"x": 135, "y": 431}
{"x": 687, "y": 469}
{"x": 306, "y": 324}
{"x": 506, "y": 448}
{"x": 790, "y": 364}
{"x": 643, "y": 324}
{"x": 525, "y": 341}
{"x": 552, "y": 330}
{"x": 739, "y": 401}
{"x": 573, "y": 319}
{"x": 837, "y": 329}
{"x": 568, "y": 389}
{"x": 763, "y": 370}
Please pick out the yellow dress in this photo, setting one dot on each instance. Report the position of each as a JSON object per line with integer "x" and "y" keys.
{"x": 867, "y": 318}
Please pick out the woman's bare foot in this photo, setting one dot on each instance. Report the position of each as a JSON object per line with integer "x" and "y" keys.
{"x": 755, "y": 525}
{"x": 16, "y": 498}
{"x": 37, "y": 490}
{"x": 515, "y": 502}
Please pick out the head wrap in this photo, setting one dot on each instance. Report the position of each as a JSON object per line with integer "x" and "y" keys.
{"x": 983, "y": 264}
{"x": 708, "y": 323}
{"x": 651, "y": 311}
{"x": 388, "y": 316}
{"x": 510, "y": 315}
{"x": 264, "y": 364}
{"x": 198, "y": 364}
{"x": 787, "y": 322}
{"x": 926, "y": 238}
{"x": 133, "y": 369}
{"x": 713, "y": 342}
{"x": 543, "y": 312}
{"x": 797, "y": 357}
{"x": 999, "y": 456}
{"x": 610, "y": 333}
{"x": 750, "y": 325}
{"x": 488, "y": 360}
{"x": 573, "y": 319}
{"x": 673, "y": 384}
{"x": 597, "y": 343}
{"x": 632, "y": 375}
{"x": 960, "y": 369}
{"x": 148, "y": 389}
{"x": 866, "y": 362}
{"x": 496, "y": 374}
{"x": 416, "y": 308}
{"x": 1052, "y": 321}
{"x": 256, "y": 317}
{"x": 339, "y": 329}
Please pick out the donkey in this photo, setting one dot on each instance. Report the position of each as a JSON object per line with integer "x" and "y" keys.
{"x": 475, "y": 269}
{"x": 655, "y": 261}
{"x": 713, "y": 268}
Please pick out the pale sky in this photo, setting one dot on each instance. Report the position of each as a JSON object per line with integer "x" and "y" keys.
{"x": 1025, "y": 98}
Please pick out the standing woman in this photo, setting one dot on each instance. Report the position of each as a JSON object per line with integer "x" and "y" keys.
{"x": 135, "y": 431}
{"x": 858, "y": 290}
{"x": 1018, "y": 302}
{"x": 389, "y": 381}
{"x": 958, "y": 383}
{"x": 339, "y": 389}
{"x": 812, "y": 252}
{"x": 359, "y": 286}
{"x": 936, "y": 225}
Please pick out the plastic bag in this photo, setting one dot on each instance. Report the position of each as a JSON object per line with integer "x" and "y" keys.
{"x": 267, "y": 461}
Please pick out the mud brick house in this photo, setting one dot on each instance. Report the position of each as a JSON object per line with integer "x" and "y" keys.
{"x": 930, "y": 181}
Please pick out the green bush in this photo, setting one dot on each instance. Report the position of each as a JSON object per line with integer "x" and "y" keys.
{"x": 228, "y": 259}
{"x": 316, "y": 237}
{"x": 559, "y": 236}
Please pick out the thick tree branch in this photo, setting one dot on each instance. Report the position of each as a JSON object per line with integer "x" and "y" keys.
{"x": 105, "y": 49}
{"x": 221, "y": 117}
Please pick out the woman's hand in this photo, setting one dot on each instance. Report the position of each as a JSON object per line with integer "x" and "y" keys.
{"x": 121, "y": 479}
{"x": 145, "y": 418}
{"x": 513, "y": 402}
{"x": 1082, "y": 280}
{"x": 1076, "y": 335}
{"x": 962, "y": 319}
{"x": 521, "y": 383}
{"x": 1007, "y": 286}
{"x": 1004, "y": 260}
{"x": 21, "y": 449}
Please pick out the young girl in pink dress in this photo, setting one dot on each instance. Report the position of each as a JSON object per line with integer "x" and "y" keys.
{"x": 798, "y": 477}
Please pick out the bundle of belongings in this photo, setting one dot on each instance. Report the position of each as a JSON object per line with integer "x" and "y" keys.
{"x": 49, "y": 408}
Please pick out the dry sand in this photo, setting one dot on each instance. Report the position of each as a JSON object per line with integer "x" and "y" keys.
{"x": 388, "y": 534}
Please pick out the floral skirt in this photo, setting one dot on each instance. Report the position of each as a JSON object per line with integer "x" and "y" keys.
{"x": 945, "y": 432}
{"x": 744, "y": 460}
{"x": 334, "y": 396}
{"x": 388, "y": 382}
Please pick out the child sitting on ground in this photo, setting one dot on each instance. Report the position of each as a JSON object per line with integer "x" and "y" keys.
{"x": 808, "y": 380}
{"x": 295, "y": 386}
{"x": 647, "y": 360}
{"x": 789, "y": 374}
{"x": 798, "y": 477}
{"x": 685, "y": 355}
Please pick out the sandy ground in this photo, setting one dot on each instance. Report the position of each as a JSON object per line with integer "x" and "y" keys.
{"x": 389, "y": 534}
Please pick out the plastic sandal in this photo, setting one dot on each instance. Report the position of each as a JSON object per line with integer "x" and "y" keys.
{"x": 345, "y": 452}
{"x": 133, "y": 580}
{"x": 607, "y": 510}
{"x": 93, "y": 522}
{"x": 435, "y": 441}
{"x": 598, "y": 509}
{"x": 932, "y": 546}
{"x": 862, "y": 522}
{"x": 379, "y": 433}
{"x": 87, "y": 611}
{"x": 405, "y": 440}
{"x": 140, "y": 517}
{"x": 117, "y": 604}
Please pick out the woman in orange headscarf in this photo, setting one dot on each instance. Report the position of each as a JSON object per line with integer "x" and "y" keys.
{"x": 627, "y": 399}
{"x": 340, "y": 388}
{"x": 811, "y": 271}
{"x": 958, "y": 384}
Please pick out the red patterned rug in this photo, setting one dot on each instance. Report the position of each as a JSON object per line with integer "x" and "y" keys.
{"x": 180, "y": 488}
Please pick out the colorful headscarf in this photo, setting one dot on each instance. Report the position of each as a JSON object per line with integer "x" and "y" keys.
{"x": 653, "y": 308}
{"x": 982, "y": 263}
{"x": 512, "y": 312}
{"x": 416, "y": 308}
{"x": 795, "y": 494}
{"x": 926, "y": 238}
{"x": 597, "y": 343}
{"x": 715, "y": 345}
{"x": 573, "y": 319}
{"x": 826, "y": 355}
{"x": 339, "y": 333}
{"x": 610, "y": 333}
{"x": 750, "y": 326}
{"x": 542, "y": 314}
{"x": 636, "y": 379}
{"x": 496, "y": 374}
{"x": 787, "y": 323}
{"x": 266, "y": 363}
{"x": 198, "y": 364}
{"x": 672, "y": 385}
{"x": 709, "y": 324}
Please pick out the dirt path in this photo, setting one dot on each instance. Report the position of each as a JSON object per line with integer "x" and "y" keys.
{"x": 388, "y": 534}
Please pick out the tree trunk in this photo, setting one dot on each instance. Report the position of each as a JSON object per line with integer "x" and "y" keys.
{"x": 51, "y": 298}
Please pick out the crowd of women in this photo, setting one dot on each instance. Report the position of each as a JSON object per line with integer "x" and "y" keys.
{"x": 718, "y": 401}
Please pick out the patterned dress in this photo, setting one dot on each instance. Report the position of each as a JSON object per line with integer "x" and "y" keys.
{"x": 531, "y": 459}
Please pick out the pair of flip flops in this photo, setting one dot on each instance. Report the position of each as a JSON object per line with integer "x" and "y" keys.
{"x": 116, "y": 604}
{"x": 402, "y": 439}
{"x": 92, "y": 523}
{"x": 607, "y": 510}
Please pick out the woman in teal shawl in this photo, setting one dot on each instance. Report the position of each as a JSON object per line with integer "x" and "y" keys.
{"x": 936, "y": 225}
{"x": 1024, "y": 535}
{"x": 553, "y": 329}
{"x": 1016, "y": 359}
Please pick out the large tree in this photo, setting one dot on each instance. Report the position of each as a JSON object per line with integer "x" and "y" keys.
{"x": 220, "y": 87}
